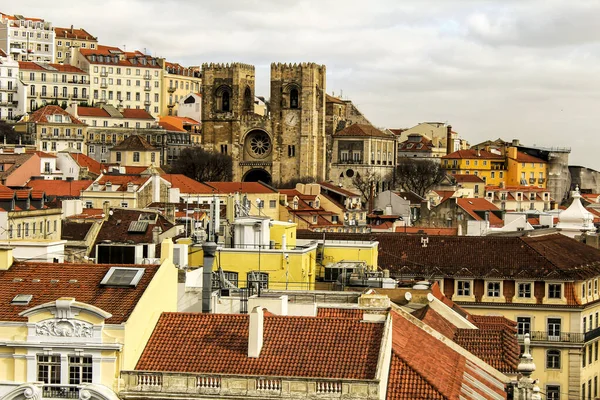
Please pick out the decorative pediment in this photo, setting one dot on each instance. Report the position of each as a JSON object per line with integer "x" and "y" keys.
{"x": 64, "y": 328}
{"x": 65, "y": 308}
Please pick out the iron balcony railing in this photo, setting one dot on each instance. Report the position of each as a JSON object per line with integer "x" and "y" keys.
{"x": 60, "y": 391}
{"x": 562, "y": 337}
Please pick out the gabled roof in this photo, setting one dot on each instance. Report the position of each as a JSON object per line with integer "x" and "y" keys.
{"x": 116, "y": 227}
{"x": 526, "y": 158}
{"x": 170, "y": 128}
{"x": 60, "y": 188}
{"x": 35, "y": 279}
{"x": 334, "y": 188}
{"x": 73, "y": 33}
{"x": 134, "y": 143}
{"x": 474, "y": 207}
{"x": 362, "y": 130}
{"x": 135, "y": 113}
{"x": 15, "y": 161}
{"x": 187, "y": 185}
{"x": 474, "y": 154}
{"x": 293, "y": 346}
{"x": 467, "y": 178}
{"x": 75, "y": 230}
{"x": 119, "y": 182}
{"x": 84, "y": 161}
{"x": 425, "y": 367}
{"x": 41, "y": 116}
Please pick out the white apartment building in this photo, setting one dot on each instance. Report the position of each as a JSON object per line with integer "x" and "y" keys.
{"x": 27, "y": 39}
{"x": 12, "y": 95}
{"x": 121, "y": 79}
{"x": 53, "y": 83}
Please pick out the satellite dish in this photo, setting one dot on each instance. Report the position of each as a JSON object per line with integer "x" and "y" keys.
{"x": 408, "y": 296}
{"x": 103, "y": 215}
{"x": 110, "y": 212}
{"x": 430, "y": 297}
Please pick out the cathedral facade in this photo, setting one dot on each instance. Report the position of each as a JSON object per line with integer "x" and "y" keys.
{"x": 288, "y": 143}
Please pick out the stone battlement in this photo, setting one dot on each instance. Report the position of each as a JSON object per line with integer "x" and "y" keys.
{"x": 235, "y": 65}
{"x": 286, "y": 66}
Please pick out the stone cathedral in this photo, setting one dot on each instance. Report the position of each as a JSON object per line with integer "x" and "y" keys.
{"x": 288, "y": 143}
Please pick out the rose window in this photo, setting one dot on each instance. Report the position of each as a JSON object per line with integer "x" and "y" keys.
{"x": 260, "y": 144}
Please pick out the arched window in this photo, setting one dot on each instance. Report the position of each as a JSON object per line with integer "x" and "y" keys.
{"x": 225, "y": 101}
{"x": 294, "y": 98}
{"x": 553, "y": 359}
{"x": 248, "y": 100}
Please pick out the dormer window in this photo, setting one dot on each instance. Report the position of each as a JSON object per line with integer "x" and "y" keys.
{"x": 21, "y": 299}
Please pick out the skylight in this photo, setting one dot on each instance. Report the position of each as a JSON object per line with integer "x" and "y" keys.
{"x": 119, "y": 276}
{"x": 137, "y": 227}
{"x": 21, "y": 299}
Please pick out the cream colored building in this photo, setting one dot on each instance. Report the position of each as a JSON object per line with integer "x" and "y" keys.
{"x": 68, "y": 38}
{"x": 135, "y": 151}
{"x": 54, "y": 346}
{"x": 120, "y": 78}
{"x": 27, "y": 39}
{"x": 177, "y": 83}
{"x": 53, "y": 83}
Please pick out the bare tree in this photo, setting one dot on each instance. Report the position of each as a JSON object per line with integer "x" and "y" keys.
{"x": 419, "y": 176}
{"x": 364, "y": 182}
{"x": 203, "y": 166}
{"x": 8, "y": 134}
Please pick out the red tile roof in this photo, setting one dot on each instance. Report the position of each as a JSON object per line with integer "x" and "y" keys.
{"x": 477, "y": 154}
{"x": 465, "y": 178}
{"x": 445, "y": 194}
{"x": 187, "y": 185}
{"x": 169, "y": 127}
{"x": 333, "y": 312}
{"x": 83, "y": 111}
{"x": 362, "y": 130}
{"x": 36, "y": 66}
{"x": 397, "y": 132}
{"x": 60, "y": 188}
{"x": 121, "y": 181}
{"x": 41, "y": 116}
{"x": 124, "y": 58}
{"x": 427, "y": 231}
{"x": 526, "y": 158}
{"x": 22, "y": 278}
{"x": 293, "y": 346}
{"x": 436, "y": 370}
{"x": 71, "y": 33}
{"x": 471, "y": 206}
{"x": 242, "y": 187}
{"x": 334, "y": 188}
{"x": 553, "y": 255}
{"x": 84, "y": 161}
{"x": 134, "y": 142}
{"x": 135, "y": 113}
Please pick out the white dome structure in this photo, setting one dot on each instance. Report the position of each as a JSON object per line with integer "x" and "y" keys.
{"x": 576, "y": 219}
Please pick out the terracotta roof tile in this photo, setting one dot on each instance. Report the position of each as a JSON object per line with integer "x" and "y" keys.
{"x": 135, "y": 113}
{"x": 427, "y": 231}
{"x": 41, "y": 115}
{"x": 134, "y": 142}
{"x": 60, "y": 188}
{"x": 116, "y": 227}
{"x": 405, "y": 383}
{"x": 83, "y": 111}
{"x": 293, "y": 346}
{"x": 242, "y": 187}
{"x": 74, "y": 230}
{"x": 549, "y": 255}
{"x": 362, "y": 130}
{"x": 337, "y": 189}
{"x": 169, "y": 127}
{"x": 526, "y": 158}
{"x": 73, "y": 33}
{"x": 465, "y": 178}
{"x": 475, "y": 207}
{"x": 187, "y": 185}
{"x": 84, "y": 161}
{"x": 331, "y": 312}
{"x": 471, "y": 153}
{"x": 22, "y": 278}
{"x": 38, "y": 66}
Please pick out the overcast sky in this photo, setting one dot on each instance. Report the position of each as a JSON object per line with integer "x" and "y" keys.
{"x": 508, "y": 68}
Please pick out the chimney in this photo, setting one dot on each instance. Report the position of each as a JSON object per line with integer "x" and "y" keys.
{"x": 74, "y": 109}
{"x": 6, "y": 257}
{"x": 283, "y": 242}
{"x": 255, "y": 332}
{"x": 449, "y": 142}
{"x": 209, "y": 249}
{"x": 156, "y": 231}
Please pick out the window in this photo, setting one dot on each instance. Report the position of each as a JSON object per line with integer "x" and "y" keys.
{"x": 272, "y": 203}
{"x": 583, "y": 357}
{"x": 552, "y": 392}
{"x": 525, "y": 290}
{"x": 91, "y": 149}
{"x": 48, "y": 369}
{"x": 553, "y": 328}
{"x": 554, "y": 291}
{"x": 258, "y": 279}
{"x": 596, "y": 351}
{"x": 584, "y": 323}
{"x": 493, "y": 289}
{"x": 152, "y": 157}
{"x": 136, "y": 156}
{"x": 118, "y": 276}
{"x": 553, "y": 359}
{"x": 595, "y": 286}
{"x": 523, "y": 325}
{"x": 463, "y": 288}
{"x": 595, "y": 386}
{"x": 80, "y": 370}
{"x": 590, "y": 288}
{"x": 291, "y": 150}
{"x": 583, "y": 290}
{"x": 118, "y": 156}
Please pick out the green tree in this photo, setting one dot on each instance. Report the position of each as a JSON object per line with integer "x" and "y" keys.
{"x": 203, "y": 166}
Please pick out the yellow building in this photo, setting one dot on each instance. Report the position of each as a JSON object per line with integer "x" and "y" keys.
{"x": 73, "y": 327}
{"x": 52, "y": 129}
{"x": 135, "y": 151}
{"x": 177, "y": 82}
{"x": 524, "y": 169}
{"x": 497, "y": 169}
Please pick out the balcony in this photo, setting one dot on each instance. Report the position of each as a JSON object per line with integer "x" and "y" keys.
{"x": 147, "y": 88}
{"x": 171, "y": 89}
{"x": 562, "y": 337}
{"x": 531, "y": 180}
{"x": 147, "y": 77}
{"x": 104, "y": 85}
{"x": 147, "y": 103}
{"x": 593, "y": 334}
{"x": 6, "y": 103}
{"x": 170, "y": 384}
{"x": 103, "y": 74}
{"x": 541, "y": 180}
{"x": 60, "y": 391}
